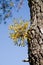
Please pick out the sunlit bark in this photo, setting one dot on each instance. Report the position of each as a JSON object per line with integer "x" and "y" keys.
{"x": 35, "y": 46}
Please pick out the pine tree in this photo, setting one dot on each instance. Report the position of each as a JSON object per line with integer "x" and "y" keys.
{"x": 35, "y": 45}
{"x": 34, "y": 34}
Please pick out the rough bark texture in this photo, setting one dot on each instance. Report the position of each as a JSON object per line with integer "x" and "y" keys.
{"x": 35, "y": 33}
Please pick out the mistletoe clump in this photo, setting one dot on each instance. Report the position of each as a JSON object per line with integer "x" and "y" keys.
{"x": 19, "y": 34}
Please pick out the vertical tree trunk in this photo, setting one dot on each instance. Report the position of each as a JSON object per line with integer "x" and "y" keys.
{"x": 35, "y": 33}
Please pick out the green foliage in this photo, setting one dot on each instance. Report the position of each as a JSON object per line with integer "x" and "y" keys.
{"x": 6, "y": 8}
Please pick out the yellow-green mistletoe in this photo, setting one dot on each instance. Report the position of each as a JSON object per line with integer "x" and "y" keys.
{"x": 19, "y": 32}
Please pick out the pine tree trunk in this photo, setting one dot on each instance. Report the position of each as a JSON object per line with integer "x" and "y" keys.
{"x": 35, "y": 33}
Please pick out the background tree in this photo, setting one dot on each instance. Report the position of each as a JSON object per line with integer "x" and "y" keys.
{"x": 6, "y": 7}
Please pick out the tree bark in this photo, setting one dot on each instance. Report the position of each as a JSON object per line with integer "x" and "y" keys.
{"x": 35, "y": 33}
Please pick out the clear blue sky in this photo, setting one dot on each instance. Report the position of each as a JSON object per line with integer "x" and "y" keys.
{"x": 10, "y": 54}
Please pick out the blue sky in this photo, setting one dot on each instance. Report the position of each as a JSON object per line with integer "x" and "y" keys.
{"x": 10, "y": 54}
